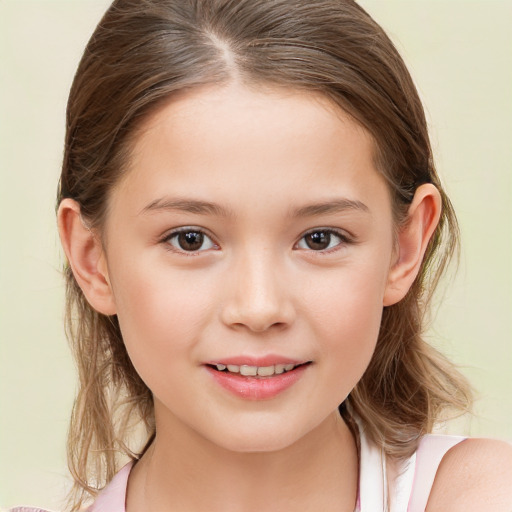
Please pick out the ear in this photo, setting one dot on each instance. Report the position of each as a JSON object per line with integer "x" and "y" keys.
{"x": 86, "y": 257}
{"x": 413, "y": 237}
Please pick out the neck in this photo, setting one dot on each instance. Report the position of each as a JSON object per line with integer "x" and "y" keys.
{"x": 318, "y": 472}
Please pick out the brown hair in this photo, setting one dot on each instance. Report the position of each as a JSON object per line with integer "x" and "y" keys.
{"x": 143, "y": 52}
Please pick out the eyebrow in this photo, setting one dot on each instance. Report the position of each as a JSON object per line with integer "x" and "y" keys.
{"x": 208, "y": 208}
{"x": 330, "y": 207}
{"x": 187, "y": 205}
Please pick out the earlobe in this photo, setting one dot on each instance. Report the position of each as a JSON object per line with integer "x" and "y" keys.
{"x": 422, "y": 219}
{"x": 86, "y": 257}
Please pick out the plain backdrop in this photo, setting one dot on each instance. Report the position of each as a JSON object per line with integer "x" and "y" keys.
{"x": 460, "y": 55}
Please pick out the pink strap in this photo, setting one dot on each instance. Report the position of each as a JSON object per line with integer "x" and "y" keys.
{"x": 113, "y": 497}
{"x": 430, "y": 452}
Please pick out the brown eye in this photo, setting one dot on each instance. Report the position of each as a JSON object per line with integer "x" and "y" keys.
{"x": 190, "y": 241}
{"x": 320, "y": 240}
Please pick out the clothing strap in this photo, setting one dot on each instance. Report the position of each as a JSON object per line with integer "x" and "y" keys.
{"x": 113, "y": 497}
{"x": 430, "y": 452}
{"x": 372, "y": 492}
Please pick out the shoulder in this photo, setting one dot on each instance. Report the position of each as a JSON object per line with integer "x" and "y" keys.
{"x": 474, "y": 475}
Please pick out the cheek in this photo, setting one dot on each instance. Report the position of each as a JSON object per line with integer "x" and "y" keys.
{"x": 353, "y": 329}
{"x": 161, "y": 314}
{"x": 348, "y": 321}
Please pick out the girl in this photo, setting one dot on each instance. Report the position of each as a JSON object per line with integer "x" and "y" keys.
{"x": 254, "y": 228}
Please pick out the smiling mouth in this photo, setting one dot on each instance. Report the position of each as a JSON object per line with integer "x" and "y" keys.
{"x": 257, "y": 371}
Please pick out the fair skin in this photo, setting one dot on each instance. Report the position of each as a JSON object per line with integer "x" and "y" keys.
{"x": 289, "y": 254}
{"x": 474, "y": 476}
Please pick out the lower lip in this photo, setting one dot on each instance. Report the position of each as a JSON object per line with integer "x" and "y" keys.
{"x": 257, "y": 388}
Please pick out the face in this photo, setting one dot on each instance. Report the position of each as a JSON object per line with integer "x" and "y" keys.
{"x": 250, "y": 235}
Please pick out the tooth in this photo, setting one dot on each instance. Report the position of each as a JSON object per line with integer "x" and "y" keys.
{"x": 279, "y": 368}
{"x": 221, "y": 367}
{"x": 289, "y": 367}
{"x": 234, "y": 368}
{"x": 265, "y": 371}
{"x": 248, "y": 370}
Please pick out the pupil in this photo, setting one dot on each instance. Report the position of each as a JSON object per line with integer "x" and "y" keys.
{"x": 190, "y": 241}
{"x": 318, "y": 240}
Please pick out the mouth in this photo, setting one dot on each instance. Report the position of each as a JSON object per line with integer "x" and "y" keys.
{"x": 246, "y": 370}
{"x": 257, "y": 378}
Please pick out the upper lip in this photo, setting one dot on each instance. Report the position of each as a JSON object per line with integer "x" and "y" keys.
{"x": 268, "y": 360}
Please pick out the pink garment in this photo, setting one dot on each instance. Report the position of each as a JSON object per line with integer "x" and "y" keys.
{"x": 113, "y": 497}
{"x": 409, "y": 493}
{"x": 428, "y": 456}
{"x": 27, "y": 509}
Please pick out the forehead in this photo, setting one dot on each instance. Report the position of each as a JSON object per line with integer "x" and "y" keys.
{"x": 234, "y": 110}
{"x": 237, "y": 142}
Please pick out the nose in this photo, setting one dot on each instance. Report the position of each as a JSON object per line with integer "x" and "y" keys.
{"x": 257, "y": 295}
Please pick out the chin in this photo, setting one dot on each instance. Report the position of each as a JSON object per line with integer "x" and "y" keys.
{"x": 262, "y": 439}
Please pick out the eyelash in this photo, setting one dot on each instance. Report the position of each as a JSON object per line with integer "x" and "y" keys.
{"x": 177, "y": 232}
{"x": 344, "y": 239}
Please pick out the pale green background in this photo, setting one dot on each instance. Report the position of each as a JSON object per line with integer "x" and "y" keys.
{"x": 460, "y": 54}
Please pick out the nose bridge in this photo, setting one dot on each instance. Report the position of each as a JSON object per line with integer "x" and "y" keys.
{"x": 257, "y": 295}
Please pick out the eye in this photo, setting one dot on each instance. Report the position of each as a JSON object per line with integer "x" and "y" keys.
{"x": 321, "y": 240}
{"x": 189, "y": 240}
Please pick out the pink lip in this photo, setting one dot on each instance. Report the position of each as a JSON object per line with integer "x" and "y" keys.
{"x": 257, "y": 388}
